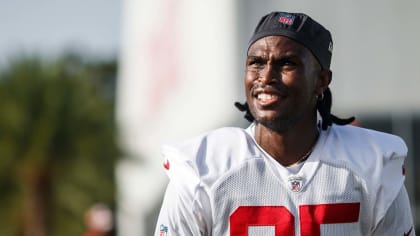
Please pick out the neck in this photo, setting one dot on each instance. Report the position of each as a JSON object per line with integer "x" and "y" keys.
{"x": 289, "y": 147}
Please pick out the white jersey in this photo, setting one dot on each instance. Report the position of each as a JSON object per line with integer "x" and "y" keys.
{"x": 224, "y": 184}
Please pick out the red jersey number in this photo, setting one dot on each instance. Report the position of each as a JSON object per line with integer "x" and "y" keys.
{"x": 310, "y": 217}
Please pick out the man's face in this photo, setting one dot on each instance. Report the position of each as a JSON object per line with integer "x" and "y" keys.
{"x": 282, "y": 80}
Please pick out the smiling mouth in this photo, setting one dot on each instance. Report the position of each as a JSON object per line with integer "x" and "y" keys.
{"x": 266, "y": 99}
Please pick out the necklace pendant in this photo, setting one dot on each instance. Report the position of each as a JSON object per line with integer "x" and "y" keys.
{"x": 295, "y": 183}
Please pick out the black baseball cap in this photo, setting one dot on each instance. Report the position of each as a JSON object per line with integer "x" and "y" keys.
{"x": 299, "y": 27}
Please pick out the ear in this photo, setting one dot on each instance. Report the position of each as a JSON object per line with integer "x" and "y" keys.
{"x": 325, "y": 77}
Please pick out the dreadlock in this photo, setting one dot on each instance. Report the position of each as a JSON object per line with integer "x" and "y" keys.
{"x": 323, "y": 106}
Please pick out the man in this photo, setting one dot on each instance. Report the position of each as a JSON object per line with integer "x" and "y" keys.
{"x": 289, "y": 173}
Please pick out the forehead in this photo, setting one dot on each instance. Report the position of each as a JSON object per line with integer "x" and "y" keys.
{"x": 276, "y": 44}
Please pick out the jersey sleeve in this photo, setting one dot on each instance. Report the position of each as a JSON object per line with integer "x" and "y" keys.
{"x": 181, "y": 214}
{"x": 376, "y": 157}
{"x": 390, "y": 178}
{"x": 185, "y": 209}
{"x": 398, "y": 218}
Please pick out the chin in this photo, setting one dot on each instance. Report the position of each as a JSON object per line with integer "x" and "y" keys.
{"x": 267, "y": 116}
{"x": 276, "y": 123}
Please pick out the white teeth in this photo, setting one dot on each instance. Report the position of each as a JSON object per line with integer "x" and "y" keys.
{"x": 266, "y": 96}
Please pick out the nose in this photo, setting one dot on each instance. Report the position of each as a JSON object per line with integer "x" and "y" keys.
{"x": 268, "y": 75}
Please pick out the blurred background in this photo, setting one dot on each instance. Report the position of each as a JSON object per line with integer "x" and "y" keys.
{"x": 89, "y": 90}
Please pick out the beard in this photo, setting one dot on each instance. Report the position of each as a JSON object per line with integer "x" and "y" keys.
{"x": 279, "y": 125}
{"x": 285, "y": 120}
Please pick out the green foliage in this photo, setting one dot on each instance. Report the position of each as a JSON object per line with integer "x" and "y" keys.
{"x": 58, "y": 136}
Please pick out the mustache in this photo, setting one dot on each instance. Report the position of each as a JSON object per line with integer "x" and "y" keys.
{"x": 269, "y": 89}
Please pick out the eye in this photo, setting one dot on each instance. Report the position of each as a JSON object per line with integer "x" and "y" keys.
{"x": 286, "y": 64}
{"x": 289, "y": 63}
{"x": 255, "y": 63}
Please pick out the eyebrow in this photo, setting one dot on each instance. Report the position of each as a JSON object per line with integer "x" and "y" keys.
{"x": 254, "y": 57}
{"x": 289, "y": 56}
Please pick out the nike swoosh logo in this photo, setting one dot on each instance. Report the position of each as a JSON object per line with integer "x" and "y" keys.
{"x": 409, "y": 232}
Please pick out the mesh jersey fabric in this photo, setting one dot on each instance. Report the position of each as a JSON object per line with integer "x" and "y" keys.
{"x": 223, "y": 180}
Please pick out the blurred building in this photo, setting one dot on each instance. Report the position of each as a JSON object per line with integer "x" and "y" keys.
{"x": 182, "y": 67}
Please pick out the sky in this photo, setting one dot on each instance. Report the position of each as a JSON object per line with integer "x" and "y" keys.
{"x": 49, "y": 27}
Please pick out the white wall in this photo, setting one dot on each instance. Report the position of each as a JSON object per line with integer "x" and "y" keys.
{"x": 176, "y": 81}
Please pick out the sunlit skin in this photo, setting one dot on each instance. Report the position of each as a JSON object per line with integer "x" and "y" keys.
{"x": 283, "y": 81}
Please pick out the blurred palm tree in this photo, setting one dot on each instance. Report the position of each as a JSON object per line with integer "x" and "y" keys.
{"x": 57, "y": 144}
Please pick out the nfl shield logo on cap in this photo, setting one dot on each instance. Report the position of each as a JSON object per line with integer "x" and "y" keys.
{"x": 286, "y": 19}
